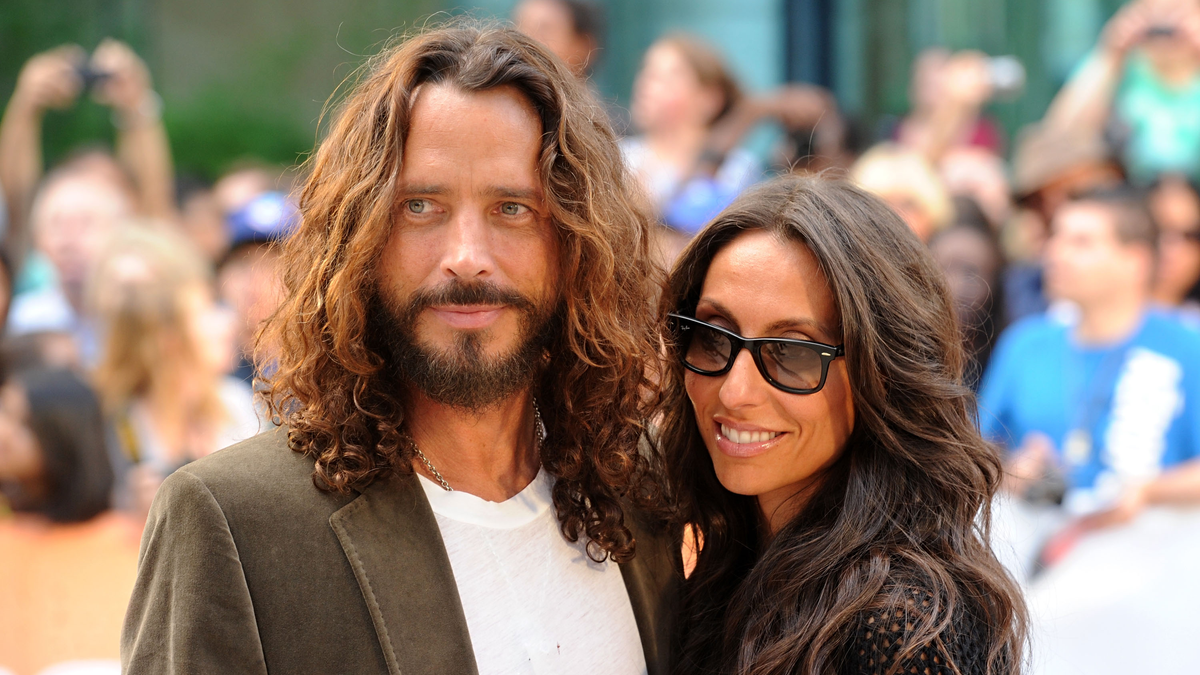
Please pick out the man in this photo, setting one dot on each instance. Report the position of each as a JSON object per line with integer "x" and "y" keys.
{"x": 1109, "y": 402}
{"x": 462, "y": 361}
{"x": 248, "y": 275}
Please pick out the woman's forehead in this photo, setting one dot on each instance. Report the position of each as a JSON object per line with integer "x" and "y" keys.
{"x": 764, "y": 279}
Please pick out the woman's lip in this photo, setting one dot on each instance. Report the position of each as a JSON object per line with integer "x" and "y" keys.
{"x": 740, "y": 426}
{"x": 743, "y": 450}
{"x": 467, "y": 317}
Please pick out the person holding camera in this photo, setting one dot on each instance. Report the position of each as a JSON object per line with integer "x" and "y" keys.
{"x": 1140, "y": 89}
{"x": 64, "y": 218}
{"x": 54, "y": 80}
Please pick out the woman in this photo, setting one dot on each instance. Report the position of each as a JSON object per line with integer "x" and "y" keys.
{"x": 67, "y": 562}
{"x": 682, "y": 90}
{"x": 1175, "y": 204}
{"x": 836, "y": 482}
{"x": 168, "y": 349}
{"x": 969, "y": 254}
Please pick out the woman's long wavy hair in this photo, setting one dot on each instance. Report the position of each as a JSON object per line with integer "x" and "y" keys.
{"x": 330, "y": 383}
{"x": 906, "y": 504}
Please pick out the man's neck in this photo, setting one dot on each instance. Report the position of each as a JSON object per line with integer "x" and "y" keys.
{"x": 1112, "y": 320}
{"x": 490, "y": 453}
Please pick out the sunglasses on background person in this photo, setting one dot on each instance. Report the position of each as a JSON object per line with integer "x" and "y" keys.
{"x": 793, "y": 366}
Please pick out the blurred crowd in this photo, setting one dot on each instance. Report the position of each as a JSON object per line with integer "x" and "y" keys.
{"x": 131, "y": 295}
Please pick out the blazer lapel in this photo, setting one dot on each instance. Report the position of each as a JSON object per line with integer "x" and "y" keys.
{"x": 652, "y": 581}
{"x": 393, "y": 543}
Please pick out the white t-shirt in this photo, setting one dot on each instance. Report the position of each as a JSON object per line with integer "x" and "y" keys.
{"x": 534, "y": 602}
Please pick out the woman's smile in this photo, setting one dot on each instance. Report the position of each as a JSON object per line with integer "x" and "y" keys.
{"x": 739, "y": 439}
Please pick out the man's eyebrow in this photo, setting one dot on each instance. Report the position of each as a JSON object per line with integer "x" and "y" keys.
{"x": 529, "y": 194}
{"x": 423, "y": 189}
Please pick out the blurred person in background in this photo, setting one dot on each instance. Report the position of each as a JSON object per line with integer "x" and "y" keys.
{"x": 573, "y": 30}
{"x": 981, "y": 176}
{"x": 1175, "y": 204}
{"x": 1050, "y": 167}
{"x": 74, "y": 213}
{"x": 681, "y": 91}
{"x": 908, "y": 183}
{"x": 168, "y": 349}
{"x": 249, "y": 277}
{"x": 67, "y": 562}
{"x": 1140, "y": 89}
{"x": 70, "y": 212}
{"x": 947, "y": 94}
{"x": 201, "y": 218}
{"x": 1104, "y": 406}
{"x": 969, "y": 254}
{"x": 116, "y": 77}
{"x": 245, "y": 180}
{"x": 815, "y": 132}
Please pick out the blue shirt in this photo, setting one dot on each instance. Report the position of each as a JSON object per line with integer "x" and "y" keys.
{"x": 1137, "y": 402}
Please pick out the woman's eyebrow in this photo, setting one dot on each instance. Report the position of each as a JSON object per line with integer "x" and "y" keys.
{"x": 718, "y": 308}
{"x": 805, "y": 324}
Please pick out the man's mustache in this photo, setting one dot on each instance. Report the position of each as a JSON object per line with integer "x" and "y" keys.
{"x": 460, "y": 293}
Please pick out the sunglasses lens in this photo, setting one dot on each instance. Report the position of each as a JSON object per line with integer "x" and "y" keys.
{"x": 708, "y": 349}
{"x": 792, "y": 365}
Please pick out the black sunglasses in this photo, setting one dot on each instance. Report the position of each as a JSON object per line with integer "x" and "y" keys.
{"x": 794, "y": 366}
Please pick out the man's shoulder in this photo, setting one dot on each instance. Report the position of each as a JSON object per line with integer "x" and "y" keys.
{"x": 260, "y": 458}
{"x": 261, "y": 474}
{"x": 1172, "y": 335}
{"x": 1032, "y": 335}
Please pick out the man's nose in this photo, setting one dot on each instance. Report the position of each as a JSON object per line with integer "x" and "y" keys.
{"x": 468, "y": 248}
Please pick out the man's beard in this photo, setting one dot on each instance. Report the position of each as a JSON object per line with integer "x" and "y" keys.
{"x": 461, "y": 376}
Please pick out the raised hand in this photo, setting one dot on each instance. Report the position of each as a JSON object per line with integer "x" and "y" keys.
{"x": 50, "y": 80}
{"x": 126, "y": 83}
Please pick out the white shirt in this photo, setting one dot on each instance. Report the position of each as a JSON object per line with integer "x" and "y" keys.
{"x": 534, "y": 602}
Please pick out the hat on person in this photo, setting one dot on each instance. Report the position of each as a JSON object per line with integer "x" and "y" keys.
{"x": 1044, "y": 155}
{"x": 269, "y": 217}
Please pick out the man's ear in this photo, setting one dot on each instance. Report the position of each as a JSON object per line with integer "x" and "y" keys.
{"x": 1146, "y": 258}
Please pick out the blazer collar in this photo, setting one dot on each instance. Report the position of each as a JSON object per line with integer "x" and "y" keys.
{"x": 394, "y": 545}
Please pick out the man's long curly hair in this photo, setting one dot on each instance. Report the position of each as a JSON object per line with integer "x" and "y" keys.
{"x": 331, "y": 384}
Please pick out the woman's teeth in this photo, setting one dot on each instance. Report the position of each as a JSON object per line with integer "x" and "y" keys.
{"x": 747, "y": 436}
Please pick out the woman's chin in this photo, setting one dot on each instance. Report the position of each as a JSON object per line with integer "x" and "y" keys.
{"x": 743, "y": 480}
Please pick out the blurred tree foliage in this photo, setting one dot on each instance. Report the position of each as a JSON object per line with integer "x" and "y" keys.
{"x": 239, "y": 78}
{"x": 31, "y": 26}
{"x": 249, "y": 78}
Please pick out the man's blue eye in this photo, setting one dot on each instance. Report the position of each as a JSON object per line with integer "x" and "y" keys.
{"x": 417, "y": 205}
{"x": 511, "y": 209}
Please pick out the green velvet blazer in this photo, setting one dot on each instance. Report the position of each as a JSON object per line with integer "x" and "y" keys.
{"x": 247, "y": 568}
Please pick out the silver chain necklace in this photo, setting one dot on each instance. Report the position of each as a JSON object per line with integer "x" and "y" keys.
{"x": 539, "y": 435}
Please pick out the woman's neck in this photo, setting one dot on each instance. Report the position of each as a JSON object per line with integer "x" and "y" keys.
{"x": 780, "y": 506}
{"x": 678, "y": 146}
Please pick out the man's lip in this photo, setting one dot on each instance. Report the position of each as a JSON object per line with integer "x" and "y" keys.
{"x": 466, "y": 309}
{"x": 467, "y": 317}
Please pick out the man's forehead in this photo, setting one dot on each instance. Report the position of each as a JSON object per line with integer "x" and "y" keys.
{"x": 493, "y": 136}
{"x": 431, "y": 100}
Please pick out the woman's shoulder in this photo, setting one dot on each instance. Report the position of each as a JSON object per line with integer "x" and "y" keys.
{"x": 909, "y": 626}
